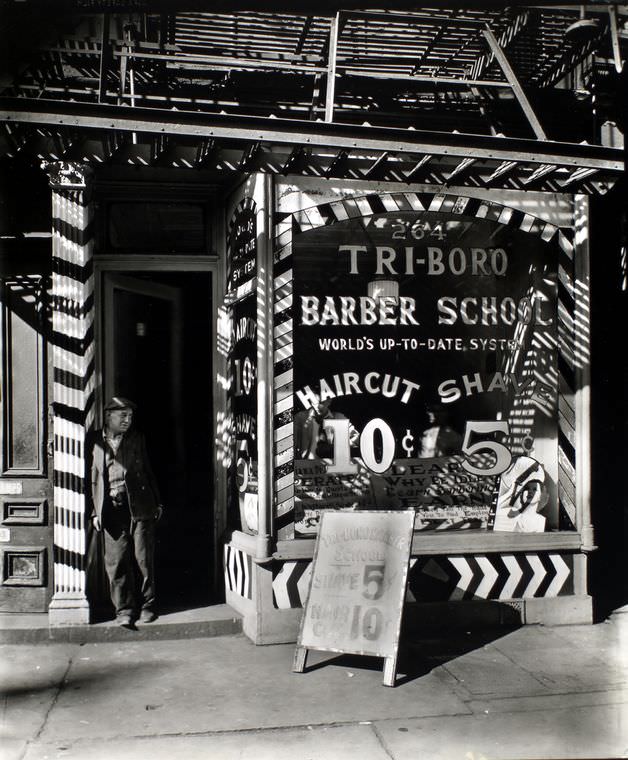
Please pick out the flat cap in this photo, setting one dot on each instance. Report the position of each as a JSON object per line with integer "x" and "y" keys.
{"x": 119, "y": 402}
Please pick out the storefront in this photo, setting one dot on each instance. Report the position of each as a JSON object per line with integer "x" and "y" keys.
{"x": 427, "y": 355}
{"x": 437, "y": 330}
{"x": 312, "y": 316}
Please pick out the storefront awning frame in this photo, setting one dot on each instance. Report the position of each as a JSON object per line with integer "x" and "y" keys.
{"x": 300, "y": 146}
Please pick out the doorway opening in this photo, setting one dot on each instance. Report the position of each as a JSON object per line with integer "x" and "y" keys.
{"x": 158, "y": 352}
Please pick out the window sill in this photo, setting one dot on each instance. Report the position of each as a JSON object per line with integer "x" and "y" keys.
{"x": 460, "y": 542}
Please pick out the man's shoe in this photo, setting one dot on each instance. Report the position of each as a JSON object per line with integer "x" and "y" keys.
{"x": 147, "y": 616}
{"x": 126, "y": 621}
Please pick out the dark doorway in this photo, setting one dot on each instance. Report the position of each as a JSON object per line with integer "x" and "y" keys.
{"x": 158, "y": 352}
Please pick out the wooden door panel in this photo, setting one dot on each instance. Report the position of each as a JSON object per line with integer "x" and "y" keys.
{"x": 26, "y": 530}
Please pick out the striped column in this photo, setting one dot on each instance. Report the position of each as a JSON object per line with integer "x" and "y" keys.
{"x": 74, "y": 380}
{"x": 283, "y": 408}
{"x": 567, "y": 501}
{"x": 582, "y": 360}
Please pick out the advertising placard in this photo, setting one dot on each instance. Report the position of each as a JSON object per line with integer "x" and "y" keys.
{"x": 242, "y": 247}
{"x": 242, "y": 251}
{"x": 426, "y": 370}
{"x": 358, "y": 586}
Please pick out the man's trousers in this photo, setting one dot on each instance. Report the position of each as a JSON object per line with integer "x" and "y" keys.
{"x": 129, "y": 558}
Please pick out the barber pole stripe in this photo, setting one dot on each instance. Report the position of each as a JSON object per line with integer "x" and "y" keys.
{"x": 288, "y": 224}
{"x": 238, "y": 571}
{"x": 283, "y": 353}
{"x": 74, "y": 380}
{"x": 566, "y": 384}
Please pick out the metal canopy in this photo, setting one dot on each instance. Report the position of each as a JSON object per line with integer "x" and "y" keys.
{"x": 430, "y": 95}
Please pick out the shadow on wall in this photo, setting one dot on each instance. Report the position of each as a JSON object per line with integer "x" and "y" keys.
{"x": 609, "y": 402}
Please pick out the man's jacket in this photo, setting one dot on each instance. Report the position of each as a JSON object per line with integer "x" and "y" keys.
{"x": 141, "y": 486}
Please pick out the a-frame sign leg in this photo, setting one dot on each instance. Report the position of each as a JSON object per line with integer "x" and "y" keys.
{"x": 300, "y": 656}
{"x": 390, "y": 670}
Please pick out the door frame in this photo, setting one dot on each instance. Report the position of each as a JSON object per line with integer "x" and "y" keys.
{"x": 212, "y": 265}
{"x": 167, "y": 293}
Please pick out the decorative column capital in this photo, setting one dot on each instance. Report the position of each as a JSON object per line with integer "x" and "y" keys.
{"x": 68, "y": 175}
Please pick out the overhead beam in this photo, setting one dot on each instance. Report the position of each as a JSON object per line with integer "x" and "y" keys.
{"x": 249, "y": 156}
{"x": 17, "y": 136}
{"x": 377, "y": 165}
{"x": 504, "y": 168}
{"x": 295, "y": 161}
{"x": 419, "y": 167}
{"x": 196, "y": 61}
{"x": 206, "y": 153}
{"x": 338, "y": 164}
{"x": 514, "y": 83}
{"x": 65, "y": 142}
{"x": 462, "y": 168}
{"x": 445, "y": 80}
{"x": 311, "y": 134}
{"x": 114, "y": 143}
{"x": 160, "y": 145}
{"x": 577, "y": 176}
{"x": 540, "y": 173}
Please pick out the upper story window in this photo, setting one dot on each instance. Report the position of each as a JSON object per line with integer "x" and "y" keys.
{"x": 154, "y": 227}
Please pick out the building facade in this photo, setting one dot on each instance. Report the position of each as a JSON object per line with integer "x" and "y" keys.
{"x": 373, "y": 293}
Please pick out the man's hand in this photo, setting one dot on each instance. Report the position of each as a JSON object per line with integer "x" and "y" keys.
{"x": 96, "y": 522}
{"x": 160, "y": 511}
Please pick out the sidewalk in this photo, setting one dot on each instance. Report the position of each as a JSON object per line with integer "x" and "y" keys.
{"x": 535, "y": 692}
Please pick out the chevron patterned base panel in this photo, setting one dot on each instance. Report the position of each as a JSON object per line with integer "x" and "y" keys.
{"x": 492, "y": 576}
{"x": 238, "y": 569}
{"x": 290, "y": 584}
{"x": 438, "y": 579}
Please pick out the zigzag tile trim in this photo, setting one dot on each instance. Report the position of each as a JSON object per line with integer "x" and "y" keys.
{"x": 74, "y": 380}
{"x": 492, "y": 576}
{"x": 521, "y": 575}
{"x": 289, "y": 224}
{"x": 238, "y": 569}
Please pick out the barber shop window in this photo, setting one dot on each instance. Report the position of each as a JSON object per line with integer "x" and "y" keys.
{"x": 154, "y": 227}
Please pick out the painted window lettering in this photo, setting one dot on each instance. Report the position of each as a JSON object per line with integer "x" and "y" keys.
{"x": 418, "y": 230}
{"x": 348, "y": 311}
{"x": 489, "y": 310}
{"x": 502, "y": 454}
{"x": 341, "y": 462}
{"x": 432, "y": 260}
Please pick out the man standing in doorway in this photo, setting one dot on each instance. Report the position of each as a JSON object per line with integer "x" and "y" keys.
{"x": 125, "y": 506}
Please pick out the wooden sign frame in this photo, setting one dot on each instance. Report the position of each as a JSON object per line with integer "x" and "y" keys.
{"x": 360, "y": 557}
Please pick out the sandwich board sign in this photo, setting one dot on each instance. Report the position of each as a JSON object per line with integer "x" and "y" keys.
{"x": 358, "y": 586}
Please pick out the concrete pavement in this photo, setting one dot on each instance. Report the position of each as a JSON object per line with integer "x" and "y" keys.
{"x": 534, "y": 692}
